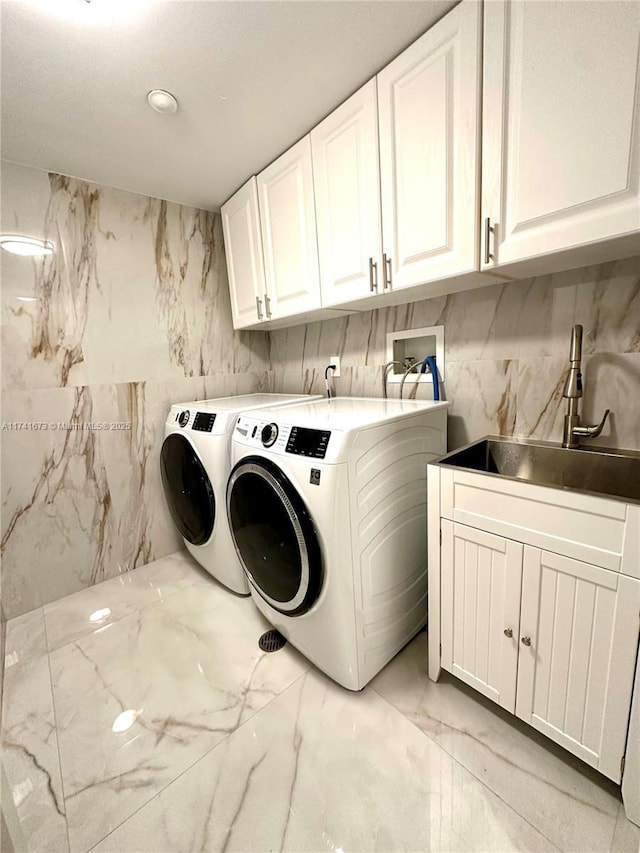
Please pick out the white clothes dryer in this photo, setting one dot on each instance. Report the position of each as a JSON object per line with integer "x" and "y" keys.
{"x": 327, "y": 510}
{"x": 195, "y": 465}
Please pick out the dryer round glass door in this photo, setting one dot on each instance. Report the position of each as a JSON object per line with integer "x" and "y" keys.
{"x": 274, "y": 536}
{"x": 188, "y": 490}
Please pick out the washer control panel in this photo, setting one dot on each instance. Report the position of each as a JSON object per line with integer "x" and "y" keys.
{"x": 308, "y": 442}
{"x": 183, "y": 417}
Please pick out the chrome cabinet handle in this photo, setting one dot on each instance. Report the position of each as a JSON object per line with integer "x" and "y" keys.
{"x": 267, "y": 306}
{"x": 259, "y": 307}
{"x": 488, "y": 231}
{"x": 526, "y": 641}
{"x": 373, "y": 275}
{"x": 508, "y": 632}
{"x": 386, "y": 263}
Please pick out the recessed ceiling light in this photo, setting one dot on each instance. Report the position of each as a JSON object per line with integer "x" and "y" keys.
{"x": 19, "y": 245}
{"x": 161, "y": 101}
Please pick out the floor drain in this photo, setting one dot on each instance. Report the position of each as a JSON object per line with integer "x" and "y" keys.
{"x": 271, "y": 641}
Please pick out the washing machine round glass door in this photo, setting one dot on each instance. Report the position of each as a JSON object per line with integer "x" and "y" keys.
{"x": 188, "y": 490}
{"x": 274, "y": 536}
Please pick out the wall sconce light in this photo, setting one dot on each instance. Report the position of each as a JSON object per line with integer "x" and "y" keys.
{"x": 28, "y": 246}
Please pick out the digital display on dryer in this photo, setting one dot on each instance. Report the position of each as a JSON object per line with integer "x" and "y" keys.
{"x": 203, "y": 421}
{"x": 308, "y": 442}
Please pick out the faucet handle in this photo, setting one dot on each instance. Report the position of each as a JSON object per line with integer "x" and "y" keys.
{"x": 591, "y": 431}
{"x": 575, "y": 353}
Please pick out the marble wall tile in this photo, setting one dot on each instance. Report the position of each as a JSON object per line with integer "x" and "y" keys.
{"x": 610, "y": 380}
{"x": 81, "y": 506}
{"x": 506, "y": 352}
{"x": 58, "y": 525}
{"x": 137, "y": 289}
{"x": 129, "y": 315}
{"x": 483, "y": 397}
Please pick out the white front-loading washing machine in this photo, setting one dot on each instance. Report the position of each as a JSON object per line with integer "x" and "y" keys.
{"x": 195, "y": 464}
{"x": 327, "y": 510}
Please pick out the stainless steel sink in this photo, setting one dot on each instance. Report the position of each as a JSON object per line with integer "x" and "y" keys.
{"x": 611, "y": 473}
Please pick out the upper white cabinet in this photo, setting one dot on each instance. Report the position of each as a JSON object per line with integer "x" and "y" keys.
{"x": 560, "y": 131}
{"x": 243, "y": 247}
{"x": 346, "y": 179}
{"x": 429, "y": 110}
{"x": 288, "y": 226}
{"x": 383, "y": 202}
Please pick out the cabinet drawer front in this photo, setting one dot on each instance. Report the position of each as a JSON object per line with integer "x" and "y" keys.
{"x": 583, "y": 527}
{"x": 575, "y": 678}
{"x": 481, "y": 577}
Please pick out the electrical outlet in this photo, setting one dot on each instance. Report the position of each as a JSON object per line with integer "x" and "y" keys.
{"x": 335, "y": 359}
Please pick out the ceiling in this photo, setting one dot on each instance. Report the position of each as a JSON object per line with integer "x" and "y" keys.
{"x": 251, "y": 78}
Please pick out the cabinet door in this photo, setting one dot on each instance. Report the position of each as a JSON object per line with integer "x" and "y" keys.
{"x": 243, "y": 249}
{"x": 480, "y": 614}
{"x": 579, "y": 641}
{"x": 428, "y": 100}
{"x": 346, "y": 180}
{"x": 288, "y": 222}
{"x": 560, "y": 162}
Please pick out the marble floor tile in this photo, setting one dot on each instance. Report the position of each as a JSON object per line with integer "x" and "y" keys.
{"x": 30, "y": 754}
{"x": 97, "y": 606}
{"x": 569, "y": 803}
{"x": 140, "y": 700}
{"x": 626, "y": 838}
{"x": 25, "y": 638}
{"x": 324, "y": 769}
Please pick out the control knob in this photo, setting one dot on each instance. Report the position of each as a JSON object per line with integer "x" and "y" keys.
{"x": 183, "y": 418}
{"x": 269, "y": 434}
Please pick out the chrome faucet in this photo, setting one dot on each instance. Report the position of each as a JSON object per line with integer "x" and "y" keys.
{"x": 573, "y": 430}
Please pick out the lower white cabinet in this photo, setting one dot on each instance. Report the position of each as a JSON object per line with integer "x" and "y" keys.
{"x": 480, "y": 600}
{"x": 548, "y": 637}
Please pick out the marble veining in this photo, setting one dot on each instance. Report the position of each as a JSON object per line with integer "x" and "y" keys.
{"x": 571, "y": 805}
{"x": 129, "y": 315}
{"x": 160, "y": 726}
{"x": 506, "y": 351}
{"x": 192, "y": 673}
